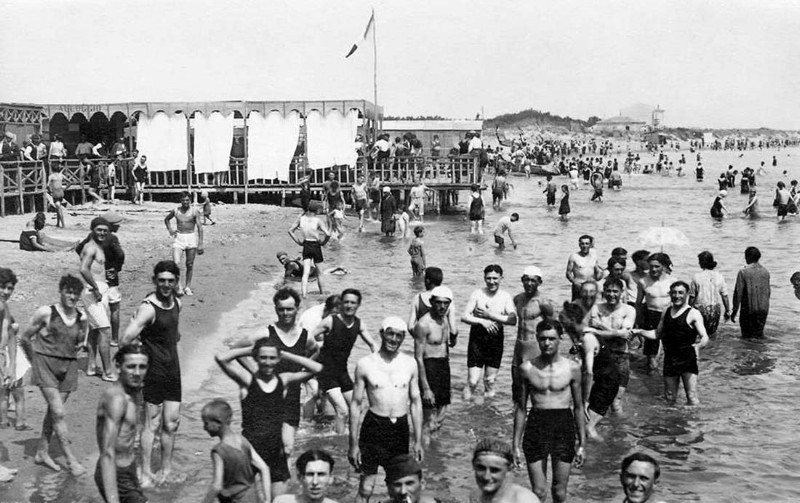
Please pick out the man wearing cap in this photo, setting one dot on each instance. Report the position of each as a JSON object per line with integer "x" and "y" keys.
{"x": 404, "y": 481}
{"x": 390, "y": 379}
{"x": 433, "y": 359}
{"x": 8, "y": 149}
{"x": 115, "y": 258}
{"x": 96, "y": 298}
{"x": 531, "y": 309}
{"x": 492, "y": 461}
{"x": 421, "y": 303}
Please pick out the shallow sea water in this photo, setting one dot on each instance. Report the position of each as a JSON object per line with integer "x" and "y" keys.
{"x": 739, "y": 445}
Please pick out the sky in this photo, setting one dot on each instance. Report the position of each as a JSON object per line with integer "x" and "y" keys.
{"x": 715, "y": 63}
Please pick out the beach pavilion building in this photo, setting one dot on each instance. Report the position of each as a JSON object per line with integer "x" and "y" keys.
{"x": 231, "y": 148}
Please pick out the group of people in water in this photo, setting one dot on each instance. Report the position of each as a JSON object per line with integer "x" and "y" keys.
{"x": 394, "y": 402}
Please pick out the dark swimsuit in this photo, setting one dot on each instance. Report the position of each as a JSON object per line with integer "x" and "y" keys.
{"x": 679, "y": 337}
{"x": 292, "y": 416}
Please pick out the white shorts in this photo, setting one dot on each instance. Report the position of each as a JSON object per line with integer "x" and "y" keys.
{"x": 97, "y": 313}
{"x": 185, "y": 241}
{"x": 114, "y": 296}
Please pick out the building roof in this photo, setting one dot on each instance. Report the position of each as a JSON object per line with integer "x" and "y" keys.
{"x": 619, "y": 120}
{"x": 432, "y": 125}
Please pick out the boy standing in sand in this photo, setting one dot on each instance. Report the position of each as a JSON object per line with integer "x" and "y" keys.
{"x": 233, "y": 459}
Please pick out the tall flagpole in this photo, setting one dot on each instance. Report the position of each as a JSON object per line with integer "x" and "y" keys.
{"x": 375, "y": 76}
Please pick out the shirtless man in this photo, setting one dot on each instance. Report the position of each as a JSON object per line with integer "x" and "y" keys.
{"x": 117, "y": 415}
{"x": 651, "y": 302}
{"x": 611, "y": 322}
{"x": 551, "y": 381}
{"x": 155, "y": 327}
{"x": 186, "y": 239}
{"x": 311, "y": 229}
{"x": 315, "y": 474}
{"x": 390, "y": 379}
{"x": 421, "y": 304}
{"x": 531, "y": 309}
{"x": 433, "y": 359}
{"x": 338, "y": 333}
{"x": 492, "y": 461}
{"x": 601, "y": 379}
{"x": 51, "y": 343}
{"x": 583, "y": 265}
{"x": 95, "y": 299}
{"x": 487, "y": 310}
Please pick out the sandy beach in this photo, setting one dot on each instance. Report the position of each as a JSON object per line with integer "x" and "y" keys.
{"x": 145, "y": 241}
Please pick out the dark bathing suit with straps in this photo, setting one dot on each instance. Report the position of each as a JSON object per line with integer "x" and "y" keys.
{"x": 160, "y": 342}
{"x": 292, "y": 412}
{"x": 334, "y": 354}
{"x": 262, "y": 419}
{"x": 678, "y": 339}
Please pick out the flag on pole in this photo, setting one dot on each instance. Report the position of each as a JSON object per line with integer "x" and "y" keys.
{"x": 370, "y": 27}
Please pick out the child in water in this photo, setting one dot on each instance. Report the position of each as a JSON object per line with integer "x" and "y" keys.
{"x": 563, "y": 210}
{"x": 417, "y": 252}
{"x": 206, "y": 202}
{"x": 233, "y": 459}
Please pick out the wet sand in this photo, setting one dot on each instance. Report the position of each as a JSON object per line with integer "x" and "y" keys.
{"x": 240, "y": 254}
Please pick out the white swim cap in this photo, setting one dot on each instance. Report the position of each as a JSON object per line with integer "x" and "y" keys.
{"x": 723, "y": 192}
{"x": 532, "y": 271}
{"x": 394, "y": 323}
{"x": 442, "y": 292}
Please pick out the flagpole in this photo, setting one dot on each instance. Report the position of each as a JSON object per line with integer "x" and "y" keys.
{"x": 375, "y": 75}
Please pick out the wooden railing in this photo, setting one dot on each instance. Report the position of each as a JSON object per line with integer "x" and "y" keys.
{"x": 22, "y": 181}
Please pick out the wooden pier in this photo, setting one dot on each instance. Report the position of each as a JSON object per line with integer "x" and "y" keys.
{"x": 23, "y": 184}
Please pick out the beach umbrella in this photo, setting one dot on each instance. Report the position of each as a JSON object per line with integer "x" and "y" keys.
{"x": 663, "y": 236}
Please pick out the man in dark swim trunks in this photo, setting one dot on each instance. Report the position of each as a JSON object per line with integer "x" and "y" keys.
{"x": 390, "y": 380}
{"x": 155, "y": 327}
{"x": 117, "y": 421}
{"x": 551, "y": 381}
{"x": 431, "y": 335}
{"x": 339, "y": 332}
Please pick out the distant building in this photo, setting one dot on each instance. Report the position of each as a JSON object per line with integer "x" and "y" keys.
{"x": 450, "y": 132}
{"x": 621, "y": 125}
